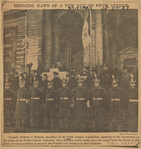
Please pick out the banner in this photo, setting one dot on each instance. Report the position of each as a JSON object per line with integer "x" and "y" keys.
{"x": 86, "y": 41}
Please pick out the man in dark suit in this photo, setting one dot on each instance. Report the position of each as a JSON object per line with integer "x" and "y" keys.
{"x": 27, "y": 81}
{"x": 60, "y": 66}
{"x": 72, "y": 83}
{"x": 57, "y": 83}
{"x": 106, "y": 78}
{"x": 125, "y": 78}
{"x": 16, "y": 81}
{"x": 88, "y": 83}
{"x": 44, "y": 85}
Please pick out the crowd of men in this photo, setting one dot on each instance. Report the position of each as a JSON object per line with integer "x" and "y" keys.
{"x": 68, "y": 104}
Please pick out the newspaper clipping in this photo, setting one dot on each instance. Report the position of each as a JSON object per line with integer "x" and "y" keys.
{"x": 70, "y": 74}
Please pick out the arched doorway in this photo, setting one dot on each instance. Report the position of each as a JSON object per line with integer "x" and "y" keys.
{"x": 68, "y": 39}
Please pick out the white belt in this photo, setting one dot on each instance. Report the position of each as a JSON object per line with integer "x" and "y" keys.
{"x": 22, "y": 99}
{"x": 133, "y": 100}
{"x": 64, "y": 98}
{"x": 7, "y": 98}
{"x": 37, "y": 98}
{"x": 97, "y": 98}
{"x": 80, "y": 98}
{"x": 49, "y": 98}
{"x": 115, "y": 99}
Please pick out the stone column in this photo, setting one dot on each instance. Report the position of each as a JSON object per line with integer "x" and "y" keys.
{"x": 56, "y": 41}
{"x": 106, "y": 38}
{"x": 14, "y": 46}
{"x": 99, "y": 37}
{"x": 48, "y": 41}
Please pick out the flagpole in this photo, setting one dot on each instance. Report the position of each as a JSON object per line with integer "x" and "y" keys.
{"x": 25, "y": 48}
{"x": 91, "y": 57}
{"x": 98, "y": 63}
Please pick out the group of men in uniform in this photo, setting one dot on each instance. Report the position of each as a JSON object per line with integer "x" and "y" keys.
{"x": 66, "y": 105}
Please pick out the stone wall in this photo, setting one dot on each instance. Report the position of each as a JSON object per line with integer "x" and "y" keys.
{"x": 34, "y": 35}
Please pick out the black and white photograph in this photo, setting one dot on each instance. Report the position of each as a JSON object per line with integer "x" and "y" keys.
{"x": 70, "y": 70}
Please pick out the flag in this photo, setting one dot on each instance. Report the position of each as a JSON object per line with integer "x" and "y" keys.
{"x": 85, "y": 35}
{"x": 86, "y": 43}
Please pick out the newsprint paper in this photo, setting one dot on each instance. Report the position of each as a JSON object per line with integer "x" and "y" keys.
{"x": 70, "y": 74}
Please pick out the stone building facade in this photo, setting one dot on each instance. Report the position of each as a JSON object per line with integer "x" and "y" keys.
{"x": 78, "y": 38}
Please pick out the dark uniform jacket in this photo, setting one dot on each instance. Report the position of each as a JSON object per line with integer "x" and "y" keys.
{"x": 80, "y": 95}
{"x": 117, "y": 75}
{"x": 132, "y": 97}
{"x": 9, "y": 104}
{"x": 49, "y": 109}
{"x": 65, "y": 99}
{"x": 124, "y": 84}
{"x": 23, "y": 95}
{"x": 35, "y": 105}
{"x": 116, "y": 101}
{"x": 88, "y": 83}
{"x": 72, "y": 83}
{"x": 27, "y": 82}
{"x": 16, "y": 83}
{"x": 11, "y": 81}
{"x": 44, "y": 88}
{"x": 57, "y": 83}
{"x": 98, "y": 101}
{"x": 44, "y": 85}
{"x": 106, "y": 79}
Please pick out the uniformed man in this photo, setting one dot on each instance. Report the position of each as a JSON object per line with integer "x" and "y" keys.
{"x": 88, "y": 83}
{"x": 73, "y": 71}
{"x": 106, "y": 78}
{"x": 36, "y": 117}
{"x": 16, "y": 81}
{"x": 9, "y": 105}
{"x": 31, "y": 82}
{"x": 44, "y": 82}
{"x": 49, "y": 109}
{"x": 98, "y": 101}
{"x": 43, "y": 85}
{"x": 27, "y": 81}
{"x": 67, "y": 78}
{"x": 57, "y": 83}
{"x": 80, "y": 96}
{"x": 11, "y": 79}
{"x": 58, "y": 65}
{"x": 132, "y": 97}
{"x": 116, "y": 100}
{"x": 84, "y": 72}
{"x": 70, "y": 87}
{"x": 21, "y": 77}
{"x": 72, "y": 83}
{"x": 117, "y": 73}
{"x": 65, "y": 96}
{"x": 125, "y": 78}
{"x": 21, "y": 112}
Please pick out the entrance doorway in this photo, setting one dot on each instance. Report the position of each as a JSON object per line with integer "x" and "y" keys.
{"x": 69, "y": 32}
